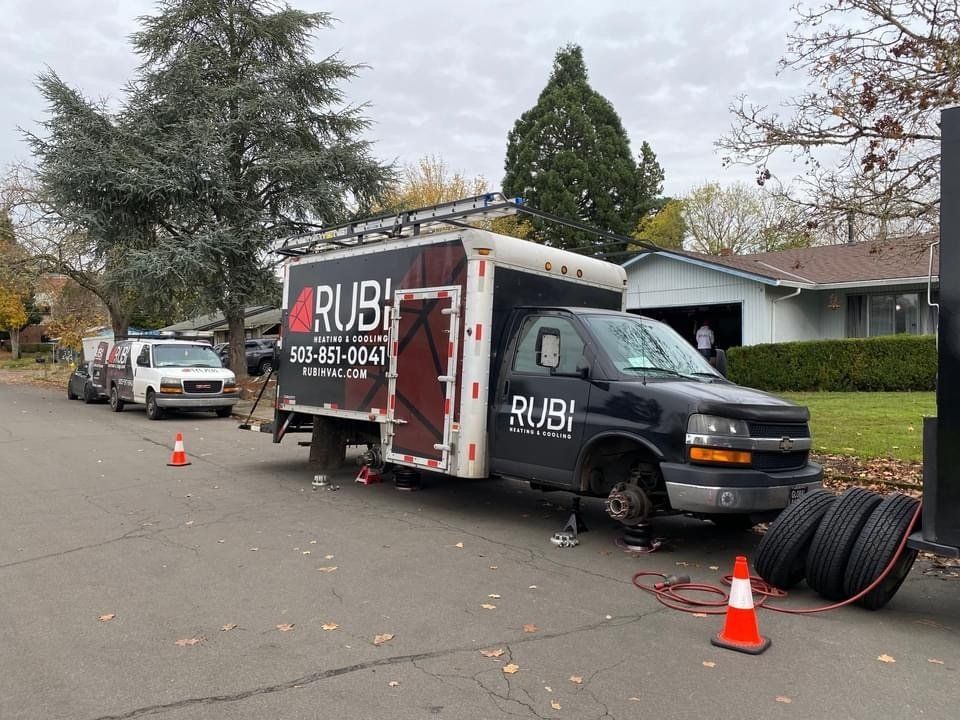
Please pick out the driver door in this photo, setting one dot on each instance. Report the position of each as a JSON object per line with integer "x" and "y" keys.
{"x": 540, "y": 411}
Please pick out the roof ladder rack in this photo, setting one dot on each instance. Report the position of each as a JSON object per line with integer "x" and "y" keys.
{"x": 404, "y": 224}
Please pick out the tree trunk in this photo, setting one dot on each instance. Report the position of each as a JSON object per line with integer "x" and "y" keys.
{"x": 15, "y": 343}
{"x": 237, "y": 339}
{"x": 120, "y": 323}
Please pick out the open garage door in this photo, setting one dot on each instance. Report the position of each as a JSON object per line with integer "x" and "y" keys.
{"x": 725, "y": 319}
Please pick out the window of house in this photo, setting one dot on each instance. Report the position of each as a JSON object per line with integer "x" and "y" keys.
{"x": 889, "y": 314}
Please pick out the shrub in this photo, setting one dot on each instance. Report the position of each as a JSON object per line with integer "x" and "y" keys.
{"x": 896, "y": 362}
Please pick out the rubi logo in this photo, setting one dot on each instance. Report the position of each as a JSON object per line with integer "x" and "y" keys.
{"x": 532, "y": 413}
{"x": 300, "y": 319}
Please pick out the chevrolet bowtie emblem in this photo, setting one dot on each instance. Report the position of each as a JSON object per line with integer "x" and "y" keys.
{"x": 786, "y": 444}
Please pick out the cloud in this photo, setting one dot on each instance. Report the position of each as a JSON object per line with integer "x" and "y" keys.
{"x": 451, "y": 79}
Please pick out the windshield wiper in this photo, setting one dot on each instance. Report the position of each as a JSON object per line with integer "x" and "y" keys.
{"x": 647, "y": 368}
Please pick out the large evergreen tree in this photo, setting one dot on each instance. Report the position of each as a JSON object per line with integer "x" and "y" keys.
{"x": 253, "y": 141}
{"x": 569, "y": 155}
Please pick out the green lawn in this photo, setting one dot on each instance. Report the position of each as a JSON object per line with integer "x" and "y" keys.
{"x": 868, "y": 425}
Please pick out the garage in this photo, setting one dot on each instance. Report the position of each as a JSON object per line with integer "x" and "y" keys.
{"x": 725, "y": 319}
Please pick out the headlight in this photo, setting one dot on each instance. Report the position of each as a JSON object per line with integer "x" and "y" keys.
{"x": 170, "y": 386}
{"x": 715, "y": 425}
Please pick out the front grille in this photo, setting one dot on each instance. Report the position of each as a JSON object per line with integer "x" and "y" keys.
{"x": 203, "y": 387}
{"x": 779, "y": 430}
{"x": 774, "y": 461}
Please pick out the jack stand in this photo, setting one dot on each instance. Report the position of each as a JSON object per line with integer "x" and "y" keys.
{"x": 576, "y": 519}
{"x": 319, "y": 481}
{"x": 368, "y": 476}
{"x": 569, "y": 536}
{"x": 406, "y": 479}
{"x": 639, "y": 539}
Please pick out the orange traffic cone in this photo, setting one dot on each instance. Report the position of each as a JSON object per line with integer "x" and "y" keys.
{"x": 368, "y": 476}
{"x": 179, "y": 456}
{"x": 740, "y": 631}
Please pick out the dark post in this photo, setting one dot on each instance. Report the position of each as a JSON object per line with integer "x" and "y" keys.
{"x": 945, "y": 500}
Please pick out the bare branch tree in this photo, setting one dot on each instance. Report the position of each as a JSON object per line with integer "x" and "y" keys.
{"x": 866, "y": 128}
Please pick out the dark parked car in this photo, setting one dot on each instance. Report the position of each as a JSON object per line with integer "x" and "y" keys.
{"x": 259, "y": 355}
{"x": 81, "y": 385}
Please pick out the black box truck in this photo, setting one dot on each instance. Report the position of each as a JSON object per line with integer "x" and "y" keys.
{"x": 474, "y": 354}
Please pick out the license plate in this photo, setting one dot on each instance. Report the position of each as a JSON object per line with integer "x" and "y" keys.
{"x": 797, "y": 492}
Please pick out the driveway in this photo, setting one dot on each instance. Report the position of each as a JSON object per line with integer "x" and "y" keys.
{"x": 132, "y": 589}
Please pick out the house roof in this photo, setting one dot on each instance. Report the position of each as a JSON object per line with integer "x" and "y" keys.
{"x": 256, "y": 316}
{"x": 865, "y": 263}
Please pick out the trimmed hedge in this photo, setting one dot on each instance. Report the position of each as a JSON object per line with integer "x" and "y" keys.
{"x": 891, "y": 363}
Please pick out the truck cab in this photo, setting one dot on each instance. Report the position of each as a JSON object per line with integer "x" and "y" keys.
{"x": 607, "y": 403}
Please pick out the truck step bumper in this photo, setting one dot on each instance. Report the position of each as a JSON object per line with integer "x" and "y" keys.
{"x": 719, "y": 490}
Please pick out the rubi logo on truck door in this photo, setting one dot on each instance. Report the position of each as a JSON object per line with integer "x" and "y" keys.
{"x": 542, "y": 417}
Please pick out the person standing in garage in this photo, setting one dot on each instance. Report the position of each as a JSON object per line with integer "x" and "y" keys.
{"x": 705, "y": 340}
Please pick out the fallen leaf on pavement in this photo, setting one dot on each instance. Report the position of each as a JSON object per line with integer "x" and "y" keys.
{"x": 709, "y": 663}
{"x": 493, "y": 653}
{"x": 488, "y": 606}
{"x": 285, "y": 627}
{"x": 381, "y": 639}
{"x": 494, "y": 596}
{"x": 228, "y": 627}
{"x": 531, "y": 587}
{"x": 328, "y": 569}
{"x": 305, "y": 552}
{"x": 493, "y": 567}
{"x": 393, "y": 683}
{"x": 555, "y": 705}
{"x": 511, "y": 668}
{"x": 313, "y": 542}
{"x": 699, "y": 614}
{"x": 254, "y": 549}
{"x": 635, "y": 699}
{"x": 459, "y": 545}
{"x": 329, "y": 626}
{"x": 548, "y": 688}
{"x": 187, "y": 642}
{"x": 714, "y": 567}
{"x": 886, "y": 658}
{"x": 328, "y": 557}
{"x": 530, "y": 628}
{"x": 935, "y": 661}
{"x": 576, "y": 679}
{"x": 783, "y": 699}
{"x": 106, "y": 618}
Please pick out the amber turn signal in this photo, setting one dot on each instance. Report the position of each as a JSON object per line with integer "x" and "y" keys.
{"x": 716, "y": 455}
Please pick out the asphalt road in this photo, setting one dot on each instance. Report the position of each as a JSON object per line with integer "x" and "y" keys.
{"x": 93, "y": 523}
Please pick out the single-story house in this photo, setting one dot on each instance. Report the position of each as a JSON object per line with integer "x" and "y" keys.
{"x": 259, "y": 321}
{"x": 831, "y": 291}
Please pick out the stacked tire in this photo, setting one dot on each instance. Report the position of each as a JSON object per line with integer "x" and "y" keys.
{"x": 840, "y": 545}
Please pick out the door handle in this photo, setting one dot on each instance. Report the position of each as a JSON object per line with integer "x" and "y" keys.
{"x": 506, "y": 388}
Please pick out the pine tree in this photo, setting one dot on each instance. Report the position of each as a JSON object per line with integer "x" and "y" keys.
{"x": 569, "y": 155}
{"x": 254, "y": 142}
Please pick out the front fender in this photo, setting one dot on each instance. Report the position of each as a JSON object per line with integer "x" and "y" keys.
{"x": 632, "y": 437}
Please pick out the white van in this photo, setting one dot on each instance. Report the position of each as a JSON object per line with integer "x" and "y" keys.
{"x": 169, "y": 374}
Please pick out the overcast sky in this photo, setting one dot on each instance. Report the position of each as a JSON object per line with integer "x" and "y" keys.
{"x": 450, "y": 78}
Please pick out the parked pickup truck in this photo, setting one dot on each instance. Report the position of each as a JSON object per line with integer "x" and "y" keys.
{"x": 474, "y": 355}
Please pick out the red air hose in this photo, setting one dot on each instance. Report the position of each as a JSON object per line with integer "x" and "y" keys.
{"x": 669, "y": 592}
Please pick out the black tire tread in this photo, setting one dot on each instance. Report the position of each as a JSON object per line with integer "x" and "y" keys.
{"x": 783, "y": 550}
{"x": 834, "y": 540}
{"x": 875, "y": 548}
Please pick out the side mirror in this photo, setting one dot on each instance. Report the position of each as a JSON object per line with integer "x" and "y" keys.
{"x": 143, "y": 362}
{"x": 548, "y": 348}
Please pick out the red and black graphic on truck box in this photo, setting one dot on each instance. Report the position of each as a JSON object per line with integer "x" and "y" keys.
{"x": 335, "y": 336}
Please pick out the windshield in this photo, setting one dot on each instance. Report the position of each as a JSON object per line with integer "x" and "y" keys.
{"x": 185, "y": 356}
{"x": 636, "y": 346}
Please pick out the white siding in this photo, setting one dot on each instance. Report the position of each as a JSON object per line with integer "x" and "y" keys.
{"x": 662, "y": 282}
{"x": 795, "y": 318}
